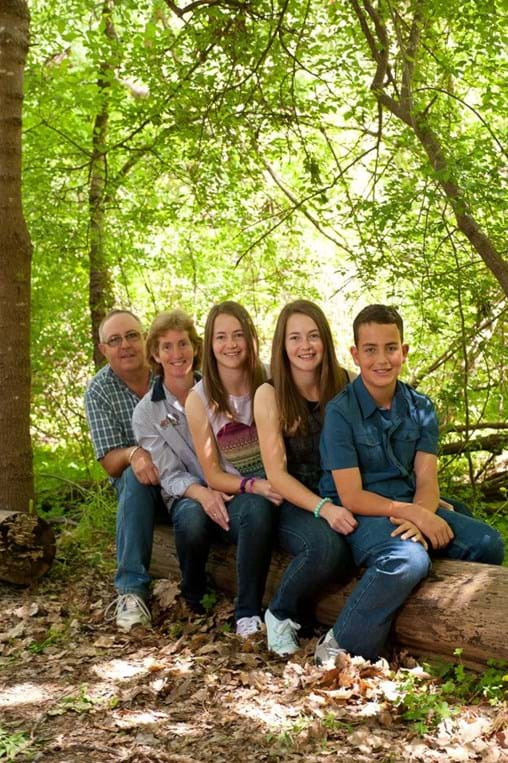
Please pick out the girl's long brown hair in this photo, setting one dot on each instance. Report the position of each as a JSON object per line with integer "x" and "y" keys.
{"x": 293, "y": 410}
{"x": 211, "y": 379}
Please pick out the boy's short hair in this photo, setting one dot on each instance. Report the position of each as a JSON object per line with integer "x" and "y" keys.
{"x": 377, "y": 314}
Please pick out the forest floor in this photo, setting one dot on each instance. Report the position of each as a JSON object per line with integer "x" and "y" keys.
{"x": 73, "y": 688}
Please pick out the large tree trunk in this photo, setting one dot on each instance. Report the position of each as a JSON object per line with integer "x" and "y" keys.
{"x": 460, "y": 605}
{"x": 16, "y": 481}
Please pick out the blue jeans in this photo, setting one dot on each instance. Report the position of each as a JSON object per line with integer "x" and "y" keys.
{"x": 138, "y": 506}
{"x": 251, "y": 528}
{"x": 193, "y": 531}
{"x": 394, "y": 568}
{"x": 320, "y": 555}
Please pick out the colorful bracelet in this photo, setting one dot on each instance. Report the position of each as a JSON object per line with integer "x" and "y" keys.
{"x": 320, "y": 505}
{"x": 250, "y": 484}
{"x": 243, "y": 483}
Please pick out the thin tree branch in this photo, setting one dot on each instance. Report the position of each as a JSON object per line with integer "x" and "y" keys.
{"x": 455, "y": 346}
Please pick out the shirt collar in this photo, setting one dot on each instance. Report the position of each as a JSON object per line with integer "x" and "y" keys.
{"x": 367, "y": 403}
{"x": 116, "y": 379}
{"x": 158, "y": 392}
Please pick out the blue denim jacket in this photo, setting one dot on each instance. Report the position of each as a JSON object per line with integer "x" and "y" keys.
{"x": 381, "y": 444}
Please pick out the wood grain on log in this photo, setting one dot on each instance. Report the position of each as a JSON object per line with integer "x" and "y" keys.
{"x": 460, "y": 605}
{"x": 27, "y": 547}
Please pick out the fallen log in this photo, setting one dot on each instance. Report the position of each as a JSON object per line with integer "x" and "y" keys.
{"x": 27, "y": 547}
{"x": 493, "y": 487}
{"x": 493, "y": 443}
{"x": 461, "y": 605}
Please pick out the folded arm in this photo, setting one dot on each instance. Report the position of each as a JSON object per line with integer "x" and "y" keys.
{"x": 421, "y": 512}
{"x": 174, "y": 476}
{"x": 118, "y": 459}
{"x": 109, "y": 437}
{"x": 209, "y": 458}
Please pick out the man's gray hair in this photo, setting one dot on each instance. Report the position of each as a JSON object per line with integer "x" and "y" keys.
{"x": 116, "y": 311}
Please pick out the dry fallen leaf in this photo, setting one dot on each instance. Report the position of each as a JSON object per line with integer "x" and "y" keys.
{"x": 13, "y": 633}
{"x": 165, "y": 592}
{"x": 27, "y": 610}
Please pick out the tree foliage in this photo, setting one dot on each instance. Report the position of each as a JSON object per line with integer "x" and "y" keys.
{"x": 181, "y": 153}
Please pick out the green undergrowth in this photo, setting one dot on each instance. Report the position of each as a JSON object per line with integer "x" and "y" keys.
{"x": 13, "y": 744}
{"x": 84, "y": 526}
{"x": 56, "y": 466}
{"x": 426, "y": 698}
{"x": 438, "y": 693}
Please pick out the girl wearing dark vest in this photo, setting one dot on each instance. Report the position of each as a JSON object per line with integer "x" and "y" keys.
{"x": 288, "y": 412}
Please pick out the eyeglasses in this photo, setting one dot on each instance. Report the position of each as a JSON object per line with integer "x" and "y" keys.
{"x": 131, "y": 337}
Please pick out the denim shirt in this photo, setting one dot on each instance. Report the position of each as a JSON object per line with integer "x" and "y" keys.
{"x": 160, "y": 426}
{"x": 381, "y": 444}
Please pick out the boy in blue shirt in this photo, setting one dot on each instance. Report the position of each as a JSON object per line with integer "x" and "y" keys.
{"x": 379, "y": 456}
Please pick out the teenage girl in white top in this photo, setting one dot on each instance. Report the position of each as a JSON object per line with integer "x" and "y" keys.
{"x": 219, "y": 414}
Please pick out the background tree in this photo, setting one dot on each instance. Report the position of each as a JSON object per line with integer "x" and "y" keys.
{"x": 16, "y": 485}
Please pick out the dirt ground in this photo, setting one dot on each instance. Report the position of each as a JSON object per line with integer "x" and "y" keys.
{"x": 72, "y": 689}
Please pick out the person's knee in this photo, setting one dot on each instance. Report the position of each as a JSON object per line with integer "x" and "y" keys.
{"x": 129, "y": 488}
{"x": 136, "y": 500}
{"x": 190, "y": 523}
{"x": 490, "y": 547}
{"x": 258, "y": 514}
{"x": 334, "y": 554}
{"x": 418, "y": 563}
{"x": 410, "y": 564}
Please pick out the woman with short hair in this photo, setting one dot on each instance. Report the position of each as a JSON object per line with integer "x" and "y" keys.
{"x": 174, "y": 350}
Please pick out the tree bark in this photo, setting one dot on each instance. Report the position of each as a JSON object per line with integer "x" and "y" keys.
{"x": 27, "y": 547}
{"x": 460, "y": 605}
{"x": 16, "y": 484}
{"x": 100, "y": 287}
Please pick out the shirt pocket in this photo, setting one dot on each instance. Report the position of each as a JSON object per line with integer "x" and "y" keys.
{"x": 371, "y": 453}
{"x": 404, "y": 442}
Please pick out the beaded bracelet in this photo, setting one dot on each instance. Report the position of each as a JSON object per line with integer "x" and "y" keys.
{"x": 243, "y": 483}
{"x": 250, "y": 484}
{"x": 320, "y": 505}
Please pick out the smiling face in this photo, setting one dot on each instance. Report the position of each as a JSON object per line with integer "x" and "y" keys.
{"x": 379, "y": 353}
{"x": 176, "y": 355}
{"x": 129, "y": 356}
{"x": 303, "y": 343}
{"x": 229, "y": 344}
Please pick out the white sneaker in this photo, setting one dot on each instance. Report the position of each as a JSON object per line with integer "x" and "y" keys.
{"x": 327, "y": 649}
{"x": 248, "y": 626}
{"x": 129, "y": 609}
{"x": 281, "y": 635}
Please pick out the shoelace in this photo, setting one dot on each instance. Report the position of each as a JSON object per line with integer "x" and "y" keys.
{"x": 247, "y": 626}
{"x": 123, "y": 601}
{"x": 287, "y": 625}
{"x": 332, "y": 651}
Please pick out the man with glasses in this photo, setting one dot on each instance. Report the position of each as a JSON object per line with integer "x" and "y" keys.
{"x": 110, "y": 399}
